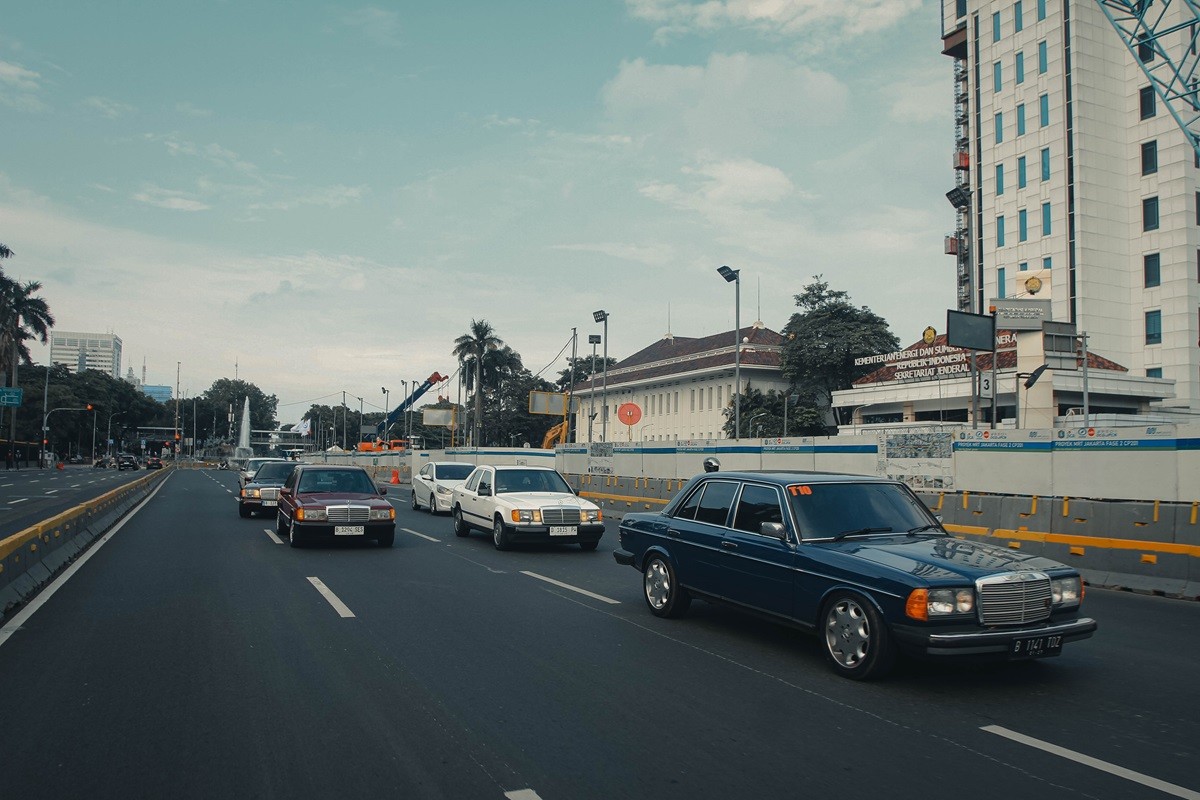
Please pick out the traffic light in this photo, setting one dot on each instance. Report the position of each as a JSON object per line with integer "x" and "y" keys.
{"x": 89, "y": 407}
{"x": 177, "y": 436}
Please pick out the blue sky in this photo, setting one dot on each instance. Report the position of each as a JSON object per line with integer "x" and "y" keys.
{"x": 327, "y": 194}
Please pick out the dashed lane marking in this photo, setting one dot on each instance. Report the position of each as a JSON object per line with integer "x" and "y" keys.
{"x": 274, "y": 537}
{"x": 422, "y": 535}
{"x": 522, "y": 794}
{"x": 569, "y": 587}
{"x": 341, "y": 608}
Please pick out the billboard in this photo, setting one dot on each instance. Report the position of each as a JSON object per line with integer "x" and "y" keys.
{"x": 972, "y": 331}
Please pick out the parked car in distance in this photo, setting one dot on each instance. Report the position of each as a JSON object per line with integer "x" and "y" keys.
{"x": 104, "y": 462}
{"x": 262, "y": 493}
{"x": 524, "y": 504}
{"x": 434, "y": 482}
{"x": 126, "y": 461}
{"x": 321, "y": 501}
{"x": 857, "y": 560}
{"x": 248, "y": 470}
{"x": 154, "y": 462}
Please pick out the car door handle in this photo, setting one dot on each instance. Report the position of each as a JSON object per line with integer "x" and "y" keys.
{"x": 729, "y": 545}
{"x": 672, "y": 532}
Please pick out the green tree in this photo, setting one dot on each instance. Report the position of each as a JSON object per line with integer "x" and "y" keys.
{"x": 763, "y": 416}
{"x": 23, "y": 316}
{"x": 470, "y": 349}
{"x": 226, "y": 392}
{"x": 582, "y": 370}
{"x": 823, "y": 339}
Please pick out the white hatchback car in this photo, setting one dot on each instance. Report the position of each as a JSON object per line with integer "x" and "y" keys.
{"x": 433, "y": 483}
{"x": 525, "y": 504}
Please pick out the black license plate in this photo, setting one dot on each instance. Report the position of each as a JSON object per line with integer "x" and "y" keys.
{"x": 1035, "y": 647}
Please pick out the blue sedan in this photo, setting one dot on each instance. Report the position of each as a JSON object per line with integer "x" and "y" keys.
{"x": 859, "y": 561}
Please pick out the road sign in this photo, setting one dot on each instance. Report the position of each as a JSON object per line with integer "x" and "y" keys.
{"x": 985, "y": 385}
{"x": 11, "y": 396}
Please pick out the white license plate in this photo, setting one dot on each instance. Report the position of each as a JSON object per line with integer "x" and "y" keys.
{"x": 564, "y": 530}
{"x": 269, "y": 503}
{"x": 348, "y": 530}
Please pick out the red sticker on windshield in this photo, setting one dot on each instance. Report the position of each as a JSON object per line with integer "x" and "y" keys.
{"x": 799, "y": 490}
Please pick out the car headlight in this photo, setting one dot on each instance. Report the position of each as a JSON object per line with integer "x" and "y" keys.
{"x": 383, "y": 513}
{"x": 252, "y": 493}
{"x": 591, "y": 515}
{"x": 925, "y": 603}
{"x": 311, "y": 515}
{"x": 442, "y": 490}
{"x": 1066, "y": 591}
{"x": 526, "y": 515}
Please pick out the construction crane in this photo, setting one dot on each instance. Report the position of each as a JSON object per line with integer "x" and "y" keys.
{"x": 378, "y": 442}
{"x": 1161, "y": 36}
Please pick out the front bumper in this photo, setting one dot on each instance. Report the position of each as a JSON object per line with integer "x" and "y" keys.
{"x": 257, "y": 504}
{"x": 441, "y": 503}
{"x": 933, "y": 642}
{"x": 324, "y": 530}
{"x": 589, "y": 532}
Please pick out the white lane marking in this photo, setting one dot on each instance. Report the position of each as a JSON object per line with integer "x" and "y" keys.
{"x": 51, "y": 491}
{"x": 274, "y": 538}
{"x": 341, "y": 608}
{"x": 523, "y": 794}
{"x": 5, "y": 485}
{"x": 22, "y": 616}
{"x": 560, "y": 584}
{"x": 423, "y": 536}
{"x": 1094, "y": 763}
{"x": 18, "y": 500}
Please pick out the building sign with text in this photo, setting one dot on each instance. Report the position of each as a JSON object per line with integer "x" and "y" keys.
{"x": 926, "y": 362}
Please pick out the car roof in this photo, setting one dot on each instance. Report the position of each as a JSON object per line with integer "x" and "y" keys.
{"x": 785, "y": 477}
{"x": 505, "y": 467}
{"x": 343, "y": 467}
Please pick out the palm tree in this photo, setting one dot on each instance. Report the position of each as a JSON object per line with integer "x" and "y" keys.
{"x": 469, "y": 349}
{"x": 23, "y": 316}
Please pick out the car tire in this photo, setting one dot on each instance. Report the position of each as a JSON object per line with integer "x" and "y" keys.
{"x": 415, "y": 505}
{"x": 244, "y": 511}
{"x": 387, "y": 540}
{"x": 857, "y": 642}
{"x": 588, "y": 547}
{"x": 500, "y": 537}
{"x": 432, "y": 509}
{"x": 461, "y": 528}
{"x": 294, "y": 538}
{"x": 281, "y": 527}
{"x": 661, "y": 590}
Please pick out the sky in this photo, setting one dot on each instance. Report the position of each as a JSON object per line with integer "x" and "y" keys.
{"x": 319, "y": 197}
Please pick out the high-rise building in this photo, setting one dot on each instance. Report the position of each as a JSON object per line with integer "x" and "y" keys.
{"x": 1074, "y": 182}
{"x": 83, "y": 351}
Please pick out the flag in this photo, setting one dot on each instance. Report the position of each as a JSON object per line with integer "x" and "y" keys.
{"x": 304, "y": 428}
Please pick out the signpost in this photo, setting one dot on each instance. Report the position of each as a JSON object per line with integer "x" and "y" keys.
{"x": 11, "y": 395}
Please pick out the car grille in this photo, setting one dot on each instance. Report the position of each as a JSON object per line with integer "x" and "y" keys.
{"x": 355, "y": 515}
{"x": 560, "y": 516}
{"x": 1014, "y": 598}
{"x": 269, "y": 494}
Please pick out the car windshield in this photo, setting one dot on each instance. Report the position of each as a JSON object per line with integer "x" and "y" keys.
{"x": 829, "y": 510}
{"x": 453, "y": 472}
{"x": 340, "y": 481}
{"x": 274, "y": 471}
{"x": 530, "y": 480}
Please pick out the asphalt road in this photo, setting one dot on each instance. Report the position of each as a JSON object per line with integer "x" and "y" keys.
{"x": 28, "y": 496}
{"x": 194, "y": 656}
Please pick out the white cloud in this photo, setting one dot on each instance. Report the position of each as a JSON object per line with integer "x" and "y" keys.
{"x": 654, "y": 255}
{"x": 731, "y": 103}
{"x": 170, "y": 199}
{"x": 327, "y": 197}
{"x": 720, "y": 187}
{"x": 109, "y": 108}
{"x": 813, "y": 19}
{"x": 919, "y": 97}
{"x": 192, "y": 111}
{"x": 18, "y": 87}
{"x": 377, "y": 24}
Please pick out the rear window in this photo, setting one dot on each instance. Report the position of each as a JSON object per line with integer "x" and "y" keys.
{"x": 824, "y": 510}
{"x": 275, "y": 471}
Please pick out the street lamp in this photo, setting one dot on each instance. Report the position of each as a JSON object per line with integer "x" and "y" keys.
{"x": 360, "y": 413}
{"x": 734, "y": 276}
{"x": 602, "y": 316}
{"x": 404, "y": 421}
{"x": 107, "y": 435}
{"x": 750, "y": 423}
{"x": 593, "y": 340}
{"x": 386, "y": 412}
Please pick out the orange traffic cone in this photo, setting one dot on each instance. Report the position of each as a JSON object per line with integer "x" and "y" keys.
{"x": 395, "y": 476}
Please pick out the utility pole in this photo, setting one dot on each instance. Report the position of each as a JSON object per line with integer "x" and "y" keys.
{"x": 175, "y": 444}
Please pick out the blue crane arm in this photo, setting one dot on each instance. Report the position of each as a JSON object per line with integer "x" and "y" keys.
{"x": 408, "y": 403}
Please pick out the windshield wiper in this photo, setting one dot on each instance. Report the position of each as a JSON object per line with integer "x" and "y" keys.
{"x": 924, "y": 528}
{"x": 859, "y": 532}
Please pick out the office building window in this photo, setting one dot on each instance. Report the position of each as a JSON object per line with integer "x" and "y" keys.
{"x": 1020, "y": 68}
{"x": 1145, "y": 49}
{"x": 1022, "y": 226}
{"x": 1001, "y": 283}
{"x": 1044, "y": 110}
{"x": 1021, "y": 172}
{"x": 1045, "y": 219}
{"x": 1153, "y": 327}
{"x": 1045, "y": 163}
{"x": 1198, "y": 208}
{"x": 1018, "y": 17}
{"x": 1046, "y": 262}
{"x": 996, "y": 27}
{"x": 1146, "y": 102}
{"x": 1000, "y": 231}
{"x": 1150, "y": 269}
{"x": 1023, "y": 266}
{"x": 1150, "y": 157}
{"x": 1021, "y": 119}
{"x": 999, "y": 127}
{"x": 1043, "y": 58}
{"x": 1154, "y": 372}
{"x": 1150, "y": 214}
{"x": 997, "y": 78}
{"x": 960, "y": 8}
{"x": 1041, "y": 10}
{"x": 999, "y": 179}
{"x": 693, "y": 400}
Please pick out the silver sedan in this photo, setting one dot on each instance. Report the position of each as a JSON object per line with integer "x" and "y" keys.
{"x": 432, "y": 484}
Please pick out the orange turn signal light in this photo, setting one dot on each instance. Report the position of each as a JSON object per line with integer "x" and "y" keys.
{"x": 917, "y": 606}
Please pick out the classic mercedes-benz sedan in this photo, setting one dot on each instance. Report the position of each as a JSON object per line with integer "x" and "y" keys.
{"x": 322, "y": 501}
{"x": 859, "y": 561}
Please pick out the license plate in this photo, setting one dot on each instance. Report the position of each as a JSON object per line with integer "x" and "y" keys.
{"x": 269, "y": 503}
{"x": 348, "y": 530}
{"x": 563, "y": 530}
{"x": 1036, "y": 647}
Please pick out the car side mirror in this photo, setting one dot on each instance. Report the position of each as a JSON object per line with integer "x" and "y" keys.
{"x": 776, "y": 530}
{"x": 383, "y": 490}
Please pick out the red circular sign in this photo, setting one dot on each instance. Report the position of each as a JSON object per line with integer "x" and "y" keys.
{"x": 629, "y": 413}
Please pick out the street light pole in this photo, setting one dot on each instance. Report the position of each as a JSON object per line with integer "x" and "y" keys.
{"x": 386, "y": 412}
{"x": 107, "y": 435}
{"x": 593, "y": 340}
{"x": 735, "y": 276}
{"x": 602, "y": 316}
